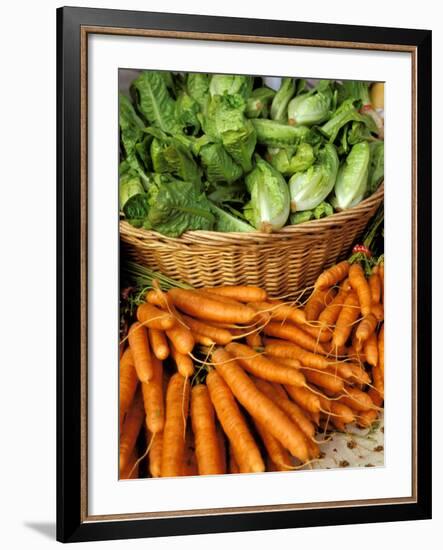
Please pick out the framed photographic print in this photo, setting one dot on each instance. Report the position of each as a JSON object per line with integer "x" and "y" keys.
{"x": 244, "y": 242}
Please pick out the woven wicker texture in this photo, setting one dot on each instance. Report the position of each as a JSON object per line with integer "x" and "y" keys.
{"x": 281, "y": 262}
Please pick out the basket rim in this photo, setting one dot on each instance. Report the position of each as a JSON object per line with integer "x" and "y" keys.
{"x": 311, "y": 226}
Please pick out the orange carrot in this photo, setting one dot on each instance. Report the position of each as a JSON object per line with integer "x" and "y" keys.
{"x": 365, "y": 328}
{"x": 181, "y": 338}
{"x": 381, "y": 274}
{"x": 356, "y": 400}
{"x": 280, "y": 398}
{"x": 294, "y": 334}
{"x": 280, "y": 311}
{"x": 333, "y": 275}
{"x": 360, "y": 285}
{"x": 246, "y": 452}
{"x": 221, "y": 445}
{"x": 240, "y": 293}
{"x": 154, "y": 459}
{"x": 324, "y": 380}
{"x": 330, "y": 314}
{"x": 378, "y": 311}
{"x": 159, "y": 344}
{"x": 141, "y": 354}
{"x": 131, "y": 471}
{"x": 347, "y": 317}
{"x": 366, "y": 418}
{"x": 190, "y": 467}
{"x": 375, "y": 287}
{"x": 260, "y": 407}
{"x": 381, "y": 349}
{"x": 294, "y": 363}
{"x": 321, "y": 333}
{"x": 254, "y": 340}
{"x": 371, "y": 350}
{"x": 262, "y": 367}
{"x": 359, "y": 375}
{"x": 317, "y": 302}
{"x": 207, "y": 448}
{"x": 131, "y": 428}
{"x": 233, "y": 466}
{"x": 200, "y": 306}
{"x": 128, "y": 384}
{"x": 218, "y": 335}
{"x": 377, "y": 380}
{"x": 377, "y": 399}
{"x": 339, "y": 410}
{"x": 304, "y": 398}
{"x": 277, "y": 453}
{"x": 288, "y": 350}
{"x": 177, "y": 402}
{"x": 153, "y": 399}
{"x": 152, "y": 317}
{"x": 184, "y": 363}
{"x": 163, "y": 300}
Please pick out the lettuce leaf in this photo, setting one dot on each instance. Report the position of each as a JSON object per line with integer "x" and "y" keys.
{"x": 186, "y": 109}
{"x": 218, "y": 164}
{"x": 197, "y": 85}
{"x": 132, "y": 198}
{"x": 222, "y": 84}
{"x": 276, "y": 134}
{"x": 226, "y": 222}
{"x": 177, "y": 206}
{"x": 154, "y": 101}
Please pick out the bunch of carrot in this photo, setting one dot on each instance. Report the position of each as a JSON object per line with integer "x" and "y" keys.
{"x": 228, "y": 380}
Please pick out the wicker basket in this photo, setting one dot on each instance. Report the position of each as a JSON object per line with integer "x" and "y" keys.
{"x": 280, "y": 262}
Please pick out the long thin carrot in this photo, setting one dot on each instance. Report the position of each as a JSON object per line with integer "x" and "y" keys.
{"x": 181, "y": 338}
{"x": 377, "y": 380}
{"x": 304, "y": 398}
{"x": 289, "y": 350}
{"x": 128, "y": 384}
{"x": 356, "y": 400}
{"x": 260, "y": 407}
{"x": 155, "y": 444}
{"x": 262, "y": 367}
{"x": 221, "y": 445}
{"x": 152, "y": 317}
{"x": 341, "y": 411}
{"x": 177, "y": 403}
{"x": 159, "y": 344}
{"x": 280, "y": 398}
{"x": 378, "y": 311}
{"x": 131, "y": 428}
{"x": 371, "y": 350}
{"x": 330, "y": 314}
{"x": 333, "y": 275}
{"x": 367, "y": 418}
{"x": 381, "y": 349}
{"x": 277, "y": 453}
{"x": 153, "y": 399}
{"x": 365, "y": 328}
{"x": 280, "y": 311}
{"x": 254, "y": 340}
{"x": 240, "y": 293}
{"x": 141, "y": 353}
{"x": 233, "y": 466}
{"x": 294, "y": 334}
{"x": 218, "y": 335}
{"x": 184, "y": 363}
{"x": 207, "y": 448}
{"x": 200, "y": 306}
{"x": 317, "y": 302}
{"x": 375, "y": 287}
{"x": 190, "y": 467}
{"x": 377, "y": 399}
{"x": 347, "y": 317}
{"x": 324, "y": 380}
{"x": 131, "y": 470}
{"x": 242, "y": 443}
{"x": 359, "y": 283}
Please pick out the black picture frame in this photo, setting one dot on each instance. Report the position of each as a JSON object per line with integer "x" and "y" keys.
{"x": 72, "y": 525}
